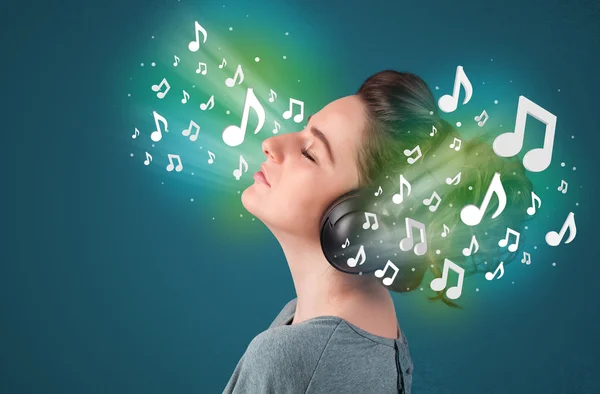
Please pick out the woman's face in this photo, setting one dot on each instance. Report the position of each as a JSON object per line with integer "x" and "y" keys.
{"x": 300, "y": 189}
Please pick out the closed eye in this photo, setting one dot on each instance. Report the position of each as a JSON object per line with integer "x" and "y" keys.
{"x": 307, "y": 155}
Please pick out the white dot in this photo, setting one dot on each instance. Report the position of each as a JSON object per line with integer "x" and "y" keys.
{"x": 562, "y": 164}
{"x": 128, "y": 94}
{"x": 285, "y": 57}
{"x": 413, "y": 270}
{"x": 526, "y": 227}
{"x": 194, "y": 86}
{"x": 131, "y": 154}
{"x": 485, "y": 262}
{"x": 421, "y": 289}
{"x": 438, "y": 251}
{"x": 162, "y": 183}
{"x": 450, "y": 205}
{"x": 477, "y": 289}
{"x": 408, "y": 289}
{"x": 380, "y": 241}
{"x": 513, "y": 283}
{"x": 437, "y": 88}
{"x": 470, "y": 187}
{"x": 458, "y": 124}
{"x": 252, "y": 219}
{"x": 518, "y": 192}
{"x": 500, "y": 125}
{"x": 240, "y": 215}
{"x": 213, "y": 218}
{"x": 554, "y": 264}
{"x": 298, "y": 80}
{"x": 577, "y": 204}
{"x": 153, "y": 37}
{"x": 238, "y": 192}
{"x": 485, "y": 233}
{"x": 153, "y": 145}
{"x": 377, "y": 256}
{"x": 430, "y": 112}
{"x": 395, "y": 254}
{"x": 495, "y": 101}
{"x": 510, "y": 81}
{"x": 192, "y": 173}
{"x": 572, "y": 137}
{"x": 287, "y": 33}
{"x": 491, "y": 60}
{"x": 230, "y": 28}
{"x": 559, "y": 90}
{"x": 191, "y": 199}
{"x": 142, "y": 64}
{"x": 574, "y": 168}
{"x": 360, "y": 273}
{"x": 257, "y": 59}
{"x": 483, "y": 83}
{"x": 431, "y": 265}
{"x": 153, "y": 64}
{"x": 227, "y": 112}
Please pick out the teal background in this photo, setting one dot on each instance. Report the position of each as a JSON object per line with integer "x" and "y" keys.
{"x": 113, "y": 280}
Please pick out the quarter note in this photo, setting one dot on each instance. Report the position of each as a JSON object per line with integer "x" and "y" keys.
{"x": 223, "y": 63}
{"x": 202, "y": 68}
{"x": 503, "y": 242}
{"x": 359, "y": 259}
{"x": 211, "y": 157}
{"x": 407, "y": 243}
{"x": 428, "y": 201}
{"x": 157, "y": 134}
{"x": 210, "y": 103}
{"x": 449, "y": 103}
{"x": 399, "y": 197}
{"x": 453, "y": 144}
{"x": 186, "y": 97}
{"x": 526, "y": 258}
{"x": 446, "y": 231}
{"x": 438, "y": 284}
{"x": 381, "y": 272}
{"x": 509, "y": 144}
{"x": 177, "y": 60}
{"x": 408, "y": 152}
{"x": 237, "y": 173}
{"x": 234, "y": 135}
{"x": 553, "y": 238}
{"x": 195, "y": 45}
{"x": 500, "y": 268}
{"x": 188, "y": 131}
{"x": 288, "y": 113}
{"x": 563, "y": 187}
{"x": 455, "y": 180}
{"x": 136, "y": 132}
{"x": 378, "y": 192}
{"x": 230, "y": 82}
{"x": 272, "y": 95}
{"x": 471, "y": 215}
{"x": 156, "y": 88}
{"x": 433, "y": 131}
{"x": 148, "y": 159}
{"x": 171, "y": 166}
{"x": 480, "y": 122}
{"x": 534, "y": 198}
{"x": 346, "y": 243}
{"x": 366, "y": 224}
{"x": 474, "y": 244}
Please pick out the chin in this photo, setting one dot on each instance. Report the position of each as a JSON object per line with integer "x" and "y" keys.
{"x": 250, "y": 201}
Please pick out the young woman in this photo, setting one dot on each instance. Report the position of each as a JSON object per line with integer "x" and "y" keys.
{"x": 341, "y": 333}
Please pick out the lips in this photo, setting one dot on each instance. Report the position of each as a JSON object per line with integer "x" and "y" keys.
{"x": 264, "y": 171}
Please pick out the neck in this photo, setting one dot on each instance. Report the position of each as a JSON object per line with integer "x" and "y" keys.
{"x": 324, "y": 291}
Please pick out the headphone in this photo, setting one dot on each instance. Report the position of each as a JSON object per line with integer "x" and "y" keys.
{"x": 337, "y": 225}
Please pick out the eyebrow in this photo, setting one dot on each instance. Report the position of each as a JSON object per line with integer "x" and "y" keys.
{"x": 319, "y": 134}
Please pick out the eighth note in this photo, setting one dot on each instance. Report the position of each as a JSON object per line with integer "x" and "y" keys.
{"x": 503, "y": 242}
{"x": 171, "y": 166}
{"x": 378, "y": 192}
{"x": 526, "y": 258}
{"x": 288, "y": 113}
{"x": 454, "y": 181}
{"x": 136, "y": 132}
{"x": 433, "y": 131}
{"x": 195, "y": 45}
{"x": 237, "y": 173}
{"x": 399, "y": 197}
{"x": 186, "y": 97}
{"x": 428, "y": 201}
{"x": 438, "y": 284}
{"x": 380, "y": 272}
{"x": 366, "y": 224}
{"x": 211, "y": 157}
{"x": 157, "y": 134}
{"x": 447, "y": 102}
{"x": 200, "y": 69}
{"x": 347, "y": 243}
{"x": 177, "y": 60}
{"x": 408, "y": 152}
{"x": 453, "y": 144}
{"x": 407, "y": 243}
{"x": 471, "y": 215}
{"x": 148, "y": 159}
{"x": 553, "y": 238}
{"x": 210, "y": 103}
{"x": 234, "y": 135}
{"x": 188, "y": 131}
{"x": 272, "y": 95}
{"x": 277, "y": 127}
{"x": 480, "y": 122}
{"x": 156, "y": 88}
{"x": 563, "y": 187}
{"x": 360, "y": 258}
{"x": 230, "y": 82}
{"x": 500, "y": 268}
{"x": 531, "y": 209}
{"x": 474, "y": 244}
{"x": 446, "y": 231}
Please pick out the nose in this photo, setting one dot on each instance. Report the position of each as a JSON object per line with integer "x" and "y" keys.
{"x": 272, "y": 148}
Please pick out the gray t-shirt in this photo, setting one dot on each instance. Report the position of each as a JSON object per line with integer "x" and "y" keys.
{"x": 326, "y": 354}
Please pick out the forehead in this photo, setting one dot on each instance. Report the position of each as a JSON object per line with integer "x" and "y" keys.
{"x": 342, "y": 121}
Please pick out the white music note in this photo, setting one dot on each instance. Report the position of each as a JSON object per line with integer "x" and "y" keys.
{"x": 272, "y": 95}
{"x": 211, "y": 157}
{"x": 378, "y": 192}
{"x": 453, "y": 144}
{"x": 202, "y": 68}
{"x": 534, "y": 198}
{"x": 171, "y": 166}
{"x": 553, "y": 238}
{"x": 455, "y": 180}
{"x": 156, "y": 88}
{"x": 480, "y": 122}
{"x": 474, "y": 244}
{"x": 148, "y": 159}
{"x": 433, "y": 131}
{"x": 438, "y": 284}
{"x": 366, "y": 224}
{"x": 446, "y": 231}
{"x": 157, "y": 134}
{"x": 503, "y": 242}
{"x": 177, "y": 60}
{"x": 359, "y": 259}
{"x": 237, "y": 173}
{"x": 500, "y": 268}
{"x": 407, "y": 243}
{"x": 136, "y": 132}
{"x": 408, "y": 152}
{"x": 346, "y": 243}
{"x": 186, "y": 97}
{"x": 381, "y": 272}
{"x": 188, "y": 131}
{"x": 428, "y": 201}
{"x": 234, "y": 135}
{"x": 195, "y": 45}
{"x": 288, "y": 113}
{"x": 449, "y": 103}
{"x": 509, "y": 144}
{"x": 210, "y": 103}
{"x": 277, "y": 127}
{"x": 526, "y": 258}
{"x": 399, "y": 197}
{"x": 563, "y": 187}
{"x": 471, "y": 215}
{"x": 223, "y": 63}
{"x": 230, "y": 82}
